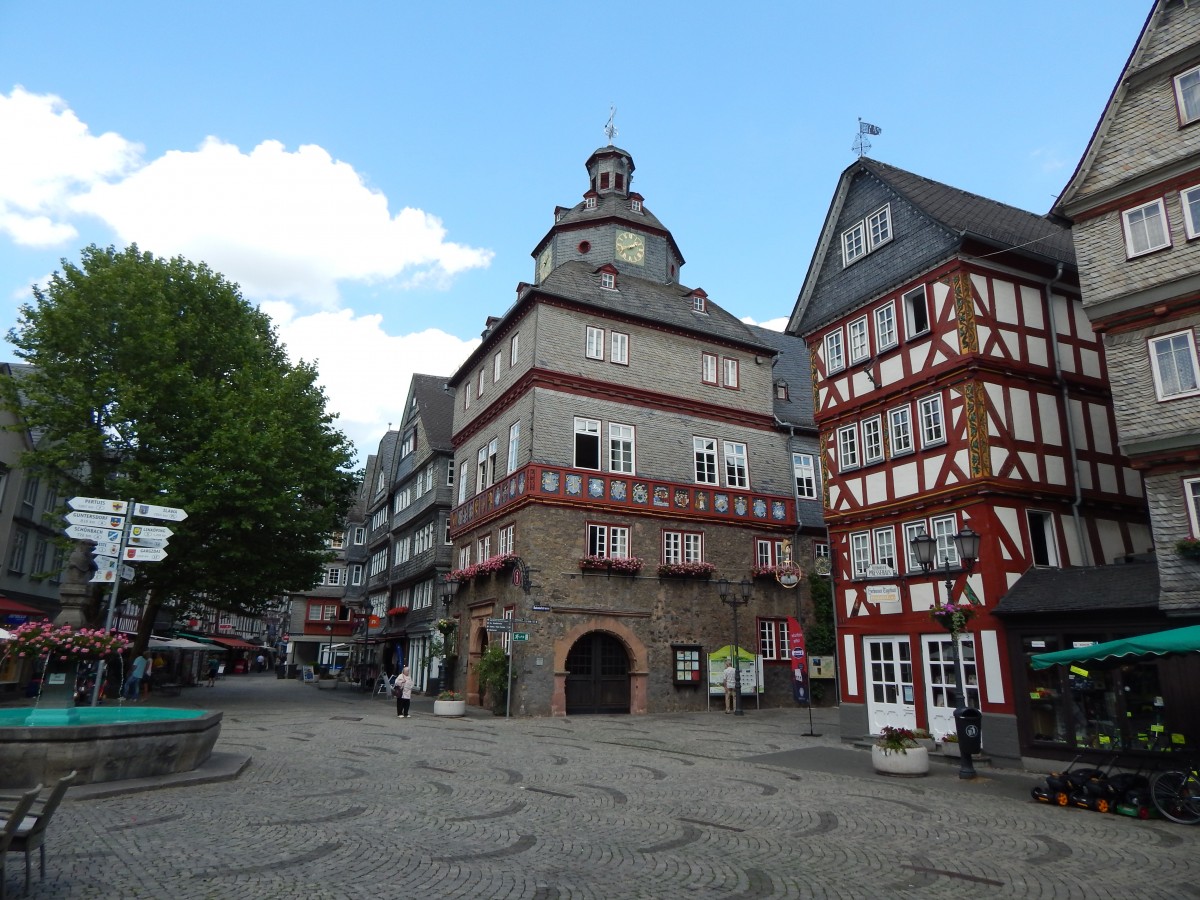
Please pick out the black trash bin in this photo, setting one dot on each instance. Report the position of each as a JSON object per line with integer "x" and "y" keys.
{"x": 968, "y": 723}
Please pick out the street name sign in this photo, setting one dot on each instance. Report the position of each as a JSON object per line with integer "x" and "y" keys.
{"x": 498, "y": 625}
{"x": 145, "y": 554}
{"x": 107, "y": 548}
{"x": 541, "y": 609}
{"x": 159, "y": 512}
{"x": 98, "y": 505}
{"x": 91, "y": 533}
{"x": 150, "y": 531}
{"x": 523, "y": 621}
{"x": 96, "y": 520}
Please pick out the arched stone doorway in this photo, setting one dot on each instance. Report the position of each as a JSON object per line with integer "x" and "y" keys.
{"x": 598, "y": 675}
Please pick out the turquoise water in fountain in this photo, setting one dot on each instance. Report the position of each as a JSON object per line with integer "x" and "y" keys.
{"x": 92, "y": 715}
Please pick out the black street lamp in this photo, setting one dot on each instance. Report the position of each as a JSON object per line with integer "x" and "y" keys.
{"x": 925, "y": 550}
{"x": 329, "y": 658}
{"x": 449, "y": 590}
{"x": 734, "y": 601}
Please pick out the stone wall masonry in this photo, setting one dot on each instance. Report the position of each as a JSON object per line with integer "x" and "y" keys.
{"x": 1140, "y": 414}
{"x": 1179, "y": 577}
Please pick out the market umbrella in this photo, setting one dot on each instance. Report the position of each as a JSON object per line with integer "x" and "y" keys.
{"x": 1160, "y": 643}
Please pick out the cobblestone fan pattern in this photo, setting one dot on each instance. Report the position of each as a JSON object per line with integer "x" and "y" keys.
{"x": 344, "y": 800}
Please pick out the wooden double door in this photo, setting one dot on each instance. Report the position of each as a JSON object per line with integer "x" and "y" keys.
{"x": 597, "y": 675}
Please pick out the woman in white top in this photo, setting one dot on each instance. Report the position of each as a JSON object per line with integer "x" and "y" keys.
{"x": 403, "y": 691}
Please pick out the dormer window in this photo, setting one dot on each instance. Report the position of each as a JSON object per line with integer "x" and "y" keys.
{"x": 608, "y": 281}
{"x": 781, "y": 390}
{"x": 589, "y": 202}
{"x": 635, "y": 206}
{"x": 699, "y": 301}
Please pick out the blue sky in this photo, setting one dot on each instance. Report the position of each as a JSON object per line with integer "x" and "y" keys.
{"x": 376, "y": 174}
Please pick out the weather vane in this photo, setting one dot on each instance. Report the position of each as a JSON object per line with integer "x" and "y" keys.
{"x": 610, "y": 129}
{"x": 861, "y": 144}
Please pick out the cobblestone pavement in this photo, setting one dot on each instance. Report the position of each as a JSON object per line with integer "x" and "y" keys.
{"x": 343, "y": 799}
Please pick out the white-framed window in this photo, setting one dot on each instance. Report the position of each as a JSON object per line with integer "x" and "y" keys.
{"x": 885, "y": 326}
{"x": 513, "y": 344}
{"x": 1187, "y": 95}
{"x": 446, "y": 539}
{"x": 514, "y": 444}
{"x": 854, "y": 243}
{"x": 682, "y": 547}
{"x": 608, "y": 281}
{"x": 944, "y": 529}
{"x": 1190, "y": 199}
{"x": 1146, "y": 228}
{"x": 737, "y": 473}
{"x": 505, "y": 542}
{"x": 400, "y": 551}
{"x": 933, "y": 426}
{"x": 595, "y": 343}
{"x": 916, "y": 312}
{"x": 872, "y": 439}
{"x": 483, "y": 548}
{"x": 333, "y": 576}
{"x": 1191, "y": 496}
{"x": 704, "y": 451}
{"x": 1173, "y": 362}
{"x": 805, "y": 469}
{"x": 773, "y": 639}
{"x": 879, "y": 227}
{"x": 912, "y": 530}
{"x": 708, "y": 368}
{"x": 608, "y": 541}
{"x": 479, "y": 390}
{"x": 730, "y": 369}
{"x": 635, "y": 205}
{"x": 423, "y": 538}
{"x": 467, "y": 388}
{"x": 885, "y": 547}
{"x": 589, "y": 202}
{"x": 860, "y": 553}
{"x": 356, "y": 574}
{"x": 497, "y": 362}
{"x": 847, "y": 437}
{"x": 485, "y": 475}
{"x": 698, "y": 304}
{"x": 462, "y": 485}
{"x": 1043, "y": 548}
{"x": 587, "y": 443}
{"x": 464, "y": 557}
{"x": 620, "y": 448}
{"x": 619, "y": 348}
{"x": 360, "y": 535}
{"x": 900, "y": 436}
{"x": 401, "y": 500}
{"x": 860, "y": 342}
{"x": 835, "y": 351}
{"x": 449, "y": 473}
{"x": 768, "y": 552}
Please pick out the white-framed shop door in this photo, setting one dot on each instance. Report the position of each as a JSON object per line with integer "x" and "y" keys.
{"x": 939, "y": 679}
{"x": 890, "y": 697}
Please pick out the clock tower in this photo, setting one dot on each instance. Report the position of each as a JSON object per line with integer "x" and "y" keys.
{"x": 611, "y": 225}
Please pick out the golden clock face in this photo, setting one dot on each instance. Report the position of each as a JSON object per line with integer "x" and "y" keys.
{"x": 631, "y": 247}
{"x": 545, "y": 262}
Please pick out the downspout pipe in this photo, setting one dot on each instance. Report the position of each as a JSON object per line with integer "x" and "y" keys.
{"x": 1072, "y": 446}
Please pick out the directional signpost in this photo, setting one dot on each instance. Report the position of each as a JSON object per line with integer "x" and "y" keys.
{"x": 498, "y": 625}
{"x": 520, "y": 635}
{"x": 105, "y": 522}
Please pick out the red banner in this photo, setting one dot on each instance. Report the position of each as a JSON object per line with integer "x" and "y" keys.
{"x": 799, "y": 661}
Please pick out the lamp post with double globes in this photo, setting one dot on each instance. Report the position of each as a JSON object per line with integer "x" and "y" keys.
{"x": 449, "y": 590}
{"x": 734, "y": 601}
{"x": 925, "y": 550}
{"x": 329, "y": 657}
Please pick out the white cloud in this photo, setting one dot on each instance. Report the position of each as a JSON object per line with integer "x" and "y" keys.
{"x": 771, "y": 324}
{"x": 282, "y": 224}
{"x": 46, "y": 155}
{"x": 365, "y": 371}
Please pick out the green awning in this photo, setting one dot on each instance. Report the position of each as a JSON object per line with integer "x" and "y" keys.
{"x": 1177, "y": 640}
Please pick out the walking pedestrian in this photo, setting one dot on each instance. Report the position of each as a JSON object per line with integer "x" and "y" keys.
{"x": 729, "y": 679}
{"x": 214, "y": 667}
{"x": 403, "y": 691}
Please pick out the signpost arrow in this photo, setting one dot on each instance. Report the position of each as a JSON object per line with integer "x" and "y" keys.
{"x": 98, "y": 505}
{"x": 105, "y": 563}
{"x": 147, "y": 542}
{"x": 150, "y": 531}
{"x": 96, "y": 520}
{"x": 127, "y": 573}
{"x": 106, "y": 577}
{"x": 107, "y": 548}
{"x": 145, "y": 554}
{"x": 159, "y": 512}
{"x": 91, "y": 533}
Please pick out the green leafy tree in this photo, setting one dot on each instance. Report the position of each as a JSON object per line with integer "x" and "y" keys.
{"x": 153, "y": 379}
{"x": 821, "y": 638}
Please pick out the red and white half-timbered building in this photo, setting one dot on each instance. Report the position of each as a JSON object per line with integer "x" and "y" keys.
{"x": 957, "y": 384}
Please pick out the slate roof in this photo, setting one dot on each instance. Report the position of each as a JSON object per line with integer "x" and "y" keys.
{"x": 791, "y": 365}
{"x": 662, "y": 304}
{"x": 435, "y": 407}
{"x": 957, "y": 213}
{"x": 1128, "y": 586}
